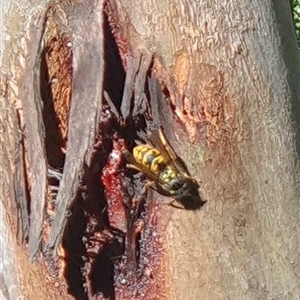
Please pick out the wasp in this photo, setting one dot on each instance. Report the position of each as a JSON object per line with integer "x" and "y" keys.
{"x": 165, "y": 171}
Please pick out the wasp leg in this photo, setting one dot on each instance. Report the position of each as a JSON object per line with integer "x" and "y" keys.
{"x": 148, "y": 184}
{"x": 172, "y": 203}
{"x": 134, "y": 167}
{"x": 175, "y": 204}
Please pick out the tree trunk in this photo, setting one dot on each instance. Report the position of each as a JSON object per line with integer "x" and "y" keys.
{"x": 230, "y": 74}
{"x": 238, "y": 68}
{"x": 20, "y": 279}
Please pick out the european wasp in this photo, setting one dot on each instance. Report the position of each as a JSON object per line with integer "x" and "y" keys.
{"x": 166, "y": 172}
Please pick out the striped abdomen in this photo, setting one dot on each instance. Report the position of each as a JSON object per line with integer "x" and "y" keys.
{"x": 150, "y": 158}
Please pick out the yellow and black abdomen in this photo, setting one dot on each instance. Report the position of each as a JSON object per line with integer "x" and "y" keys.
{"x": 150, "y": 158}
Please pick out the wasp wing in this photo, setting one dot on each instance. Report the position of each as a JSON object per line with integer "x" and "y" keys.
{"x": 159, "y": 140}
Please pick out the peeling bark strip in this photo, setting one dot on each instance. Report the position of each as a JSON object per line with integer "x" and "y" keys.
{"x": 86, "y": 26}
{"x": 20, "y": 184}
{"x": 34, "y": 131}
{"x": 134, "y": 98}
{"x": 9, "y": 283}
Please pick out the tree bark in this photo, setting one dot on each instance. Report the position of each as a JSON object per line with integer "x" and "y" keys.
{"x": 237, "y": 65}
{"x": 232, "y": 73}
{"x": 20, "y": 279}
